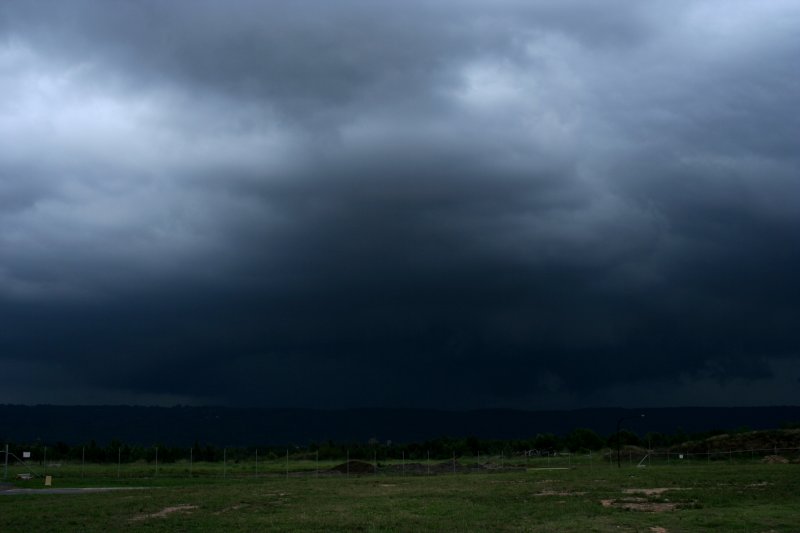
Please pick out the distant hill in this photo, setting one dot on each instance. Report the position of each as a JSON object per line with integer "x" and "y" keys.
{"x": 224, "y": 426}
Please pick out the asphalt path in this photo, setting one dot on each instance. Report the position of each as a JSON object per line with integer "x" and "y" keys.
{"x": 6, "y": 489}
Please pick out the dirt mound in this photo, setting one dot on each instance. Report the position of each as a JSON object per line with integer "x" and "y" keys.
{"x": 447, "y": 467}
{"x": 422, "y": 469}
{"x": 751, "y": 440}
{"x": 775, "y": 460}
{"x": 355, "y": 467}
{"x": 418, "y": 469}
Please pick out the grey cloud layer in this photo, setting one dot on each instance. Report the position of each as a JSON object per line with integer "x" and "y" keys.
{"x": 459, "y": 205}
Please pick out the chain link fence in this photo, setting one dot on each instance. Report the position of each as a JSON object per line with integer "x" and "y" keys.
{"x": 235, "y": 463}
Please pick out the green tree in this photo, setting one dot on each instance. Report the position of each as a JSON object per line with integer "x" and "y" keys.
{"x": 583, "y": 439}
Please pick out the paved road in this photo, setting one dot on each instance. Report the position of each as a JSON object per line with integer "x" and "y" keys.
{"x": 4, "y": 489}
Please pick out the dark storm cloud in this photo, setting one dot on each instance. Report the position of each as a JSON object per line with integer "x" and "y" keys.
{"x": 524, "y": 204}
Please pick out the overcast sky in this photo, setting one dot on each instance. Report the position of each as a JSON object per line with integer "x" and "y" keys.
{"x": 451, "y": 204}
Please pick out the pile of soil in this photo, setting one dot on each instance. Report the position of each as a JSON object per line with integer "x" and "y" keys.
{"x": 354, "y": 467}
{"x": 775, "y": 460}
{"x": 417, "y": 469}
{"x": 421, "y": 469}
{"x": 752, "y": 440}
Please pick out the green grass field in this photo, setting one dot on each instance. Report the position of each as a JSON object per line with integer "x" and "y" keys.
{"x": 717, "y": 496}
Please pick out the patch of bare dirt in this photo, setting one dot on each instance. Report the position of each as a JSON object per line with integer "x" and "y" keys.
{"x": 775, "y": 460}
{"x": 648, "y": 507}
{"x": 166, "y": 511}
{"x": 232, "y": 508}
{"x": 557, "y": 493}
{"x": 651, "y": 492}
{"x": 659, "y": 529}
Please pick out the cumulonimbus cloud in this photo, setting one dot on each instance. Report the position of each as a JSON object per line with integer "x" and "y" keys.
{"x": 527, "y": 200}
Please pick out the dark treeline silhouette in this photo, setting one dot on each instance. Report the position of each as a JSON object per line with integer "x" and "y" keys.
{"x": 580, "y": 440}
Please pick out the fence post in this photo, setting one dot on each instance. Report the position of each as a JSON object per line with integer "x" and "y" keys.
{"x": 347, "y": 463}
{"x": 287, "y": 463}
{"x": 119, "y": 461}
{"x": 256, "y": 462}
{"x": 83, "y": 459}
{"x": 156, "y": 460}
{"x": 317, "y": 473}
{"x": 404, "y": 463}
{"x": 5, "y": 468}
{"x": 224, "y": 463}
{"x": 191, "y": 460}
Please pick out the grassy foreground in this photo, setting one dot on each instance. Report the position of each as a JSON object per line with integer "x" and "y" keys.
{"x": 752, "y": 497}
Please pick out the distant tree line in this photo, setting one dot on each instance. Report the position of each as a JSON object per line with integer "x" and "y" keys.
{"x": 579, "y": 440}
